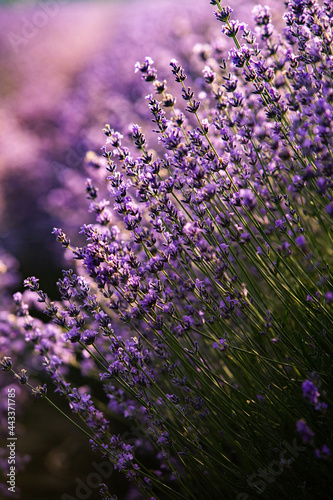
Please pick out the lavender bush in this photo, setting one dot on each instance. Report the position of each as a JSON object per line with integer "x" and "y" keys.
{"x": 201, "y": 301}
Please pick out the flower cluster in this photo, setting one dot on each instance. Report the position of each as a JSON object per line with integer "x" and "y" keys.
{"x": 200, "y": 299}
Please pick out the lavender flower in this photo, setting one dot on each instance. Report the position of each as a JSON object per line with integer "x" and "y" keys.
{"x": 198, "y": 300}
{"x": 311, "y": 392}
{"x": 324, "y": 452}
{"x": 303, "y": 429}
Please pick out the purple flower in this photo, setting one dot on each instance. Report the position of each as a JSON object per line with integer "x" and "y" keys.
{"x": 310, "y": 391}
{"x": 22, "y": 377}
{"x": 300, "y": 241}
{"x": 221, "y": 344}
{"x": 73, "y": 334}
{"x": 304, "y": 430}
{"x": 239, "y": 57}
{"x": 261, "y": 14}
{"x": 248, "y": 198}
{"x": 329, "y": 209}
{"x": 222, "y": 15}
{"x": 39, "y": 391}
{"x": 6, "y": 363}
{"x": 32, "y": 283}
{"x": 88, "y": 336}
{"x": 323, "y": 453}
{"x": 61, "y": 237}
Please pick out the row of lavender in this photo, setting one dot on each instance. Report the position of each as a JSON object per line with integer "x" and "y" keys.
{"x": 201, "y": 299}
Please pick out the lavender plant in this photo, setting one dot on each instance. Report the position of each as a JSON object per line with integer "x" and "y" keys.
{"x": 205, "y": 311}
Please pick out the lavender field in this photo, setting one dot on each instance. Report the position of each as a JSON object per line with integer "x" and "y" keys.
{"x": 166, "y": 250}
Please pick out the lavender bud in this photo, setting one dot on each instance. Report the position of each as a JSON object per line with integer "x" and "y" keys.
{"x": 39, "y": 391}
{"x": 6, "y": 363}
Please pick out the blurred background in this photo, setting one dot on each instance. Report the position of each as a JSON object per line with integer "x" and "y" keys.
{"x": 67, "y": 69}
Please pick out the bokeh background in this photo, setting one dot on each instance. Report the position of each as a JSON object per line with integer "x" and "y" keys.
{"x": 66, "y": 69}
